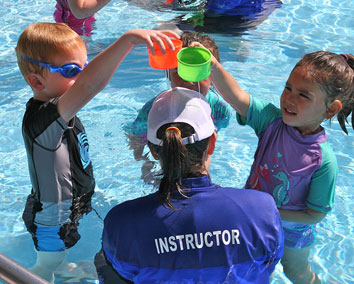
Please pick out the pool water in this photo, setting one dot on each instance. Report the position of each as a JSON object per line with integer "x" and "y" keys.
{"x": 260, "y": 58}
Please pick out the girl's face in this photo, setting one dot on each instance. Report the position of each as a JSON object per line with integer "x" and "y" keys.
{"x": 303, "y": 103}
{"x": 177, "y": 81}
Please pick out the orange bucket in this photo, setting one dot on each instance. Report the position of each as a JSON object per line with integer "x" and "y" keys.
{"x": 167, "y": 60}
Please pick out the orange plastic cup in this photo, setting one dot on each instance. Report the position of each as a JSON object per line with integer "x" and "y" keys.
{"x": 167, "y": 60}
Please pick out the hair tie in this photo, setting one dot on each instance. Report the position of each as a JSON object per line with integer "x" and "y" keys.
{"x": 174, "y": 128}
{"x": 345, "y": 56}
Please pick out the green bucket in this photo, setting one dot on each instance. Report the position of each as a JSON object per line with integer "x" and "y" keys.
{"x": 194, "y": 63}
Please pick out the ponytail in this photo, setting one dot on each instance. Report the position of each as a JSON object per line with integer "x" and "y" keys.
{"x": 348, "y": 101}
{"x": 177, "y": 160}
{"x": 174, "y": 164}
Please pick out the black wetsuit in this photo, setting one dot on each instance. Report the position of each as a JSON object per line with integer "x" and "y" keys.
{"x": 60, "y": 170}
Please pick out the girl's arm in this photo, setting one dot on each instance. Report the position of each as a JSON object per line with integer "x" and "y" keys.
{"x": 308, "y": 217}
{"x": 227, "y": 86}
{"x": 321, "y": 193}
{"x": 99, "y": 71}
{"x": 229, "y": 89}
{"x": 84, "y": 8}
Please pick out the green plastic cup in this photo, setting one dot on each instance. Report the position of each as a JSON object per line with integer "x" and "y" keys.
{"x": 194, "y": 63}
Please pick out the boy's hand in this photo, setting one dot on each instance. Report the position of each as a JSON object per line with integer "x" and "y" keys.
{"x": 161, "y": 37}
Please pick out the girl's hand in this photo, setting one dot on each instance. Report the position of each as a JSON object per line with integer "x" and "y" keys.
{"x": 213, "y": 59}
{"x": 161, "y": 37}
{"x": 227, "y": 86}
{"x": 304, "y": 217}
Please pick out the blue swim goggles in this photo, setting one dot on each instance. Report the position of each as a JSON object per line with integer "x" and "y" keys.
{"x": 68, "y": 70}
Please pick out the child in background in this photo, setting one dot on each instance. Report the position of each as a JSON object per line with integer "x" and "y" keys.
{"x": 53, "y": 60}
{"x": 78, "y": 14}
{"x": 221, "y": 111}
{"x": 294, "y": 161}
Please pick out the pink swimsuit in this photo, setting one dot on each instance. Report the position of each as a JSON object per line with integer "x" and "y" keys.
{"x": 63, "y": 14}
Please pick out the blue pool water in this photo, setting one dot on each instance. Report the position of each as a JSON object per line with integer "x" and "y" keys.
{"x": 261, "y": 59}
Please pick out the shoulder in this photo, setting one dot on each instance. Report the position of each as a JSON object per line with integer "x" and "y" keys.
{"x": 323, "y": 181}
{"x": 250, "y": 198}
{"x": 258, "y": 105}
{"x": 125, "y": 219}
{"x": 327, "y": 152}
{"x": 253, "y": 209}
{"x": 329, "y": 164}
{"x": 221, "y": 111}
{"x": 327, "y": 155}
{"x": 215, "y": 100}
{"x": 260, "y": 112}
{"x": 34, "y": 106}
{"x": 139, "y": 126}
{"x": 212, "y": 97}
{"x": 131, "y": 209}
{"x": 39, "y": 116}
{"x": 147, "y": 106}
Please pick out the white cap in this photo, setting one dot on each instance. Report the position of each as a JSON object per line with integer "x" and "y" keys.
{"x": 180, "y": 105}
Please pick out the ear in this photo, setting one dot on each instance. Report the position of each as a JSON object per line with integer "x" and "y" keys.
{"x": 334, "y": 107}
{"x": 35, "y": 81}
{"x": 212, "y": 142}
{"x": 153, "y": 153}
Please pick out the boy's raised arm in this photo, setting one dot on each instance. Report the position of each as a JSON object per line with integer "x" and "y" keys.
{"x": 99, "y": 71}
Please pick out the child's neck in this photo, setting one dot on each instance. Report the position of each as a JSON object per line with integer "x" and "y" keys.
{"x": 41, "y": 97}
{"x": 307, "y": 131}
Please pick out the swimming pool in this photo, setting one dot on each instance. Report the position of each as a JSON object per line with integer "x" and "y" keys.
{"x": 261, "y": 59}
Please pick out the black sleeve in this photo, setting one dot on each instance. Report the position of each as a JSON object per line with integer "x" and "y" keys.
{"x": 106, "y": 272}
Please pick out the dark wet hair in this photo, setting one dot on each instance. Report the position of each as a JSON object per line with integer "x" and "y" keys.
{"x": 335, "y": 74}
{"x": 178, "y": 160}
{"x": 188, "y": 37}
